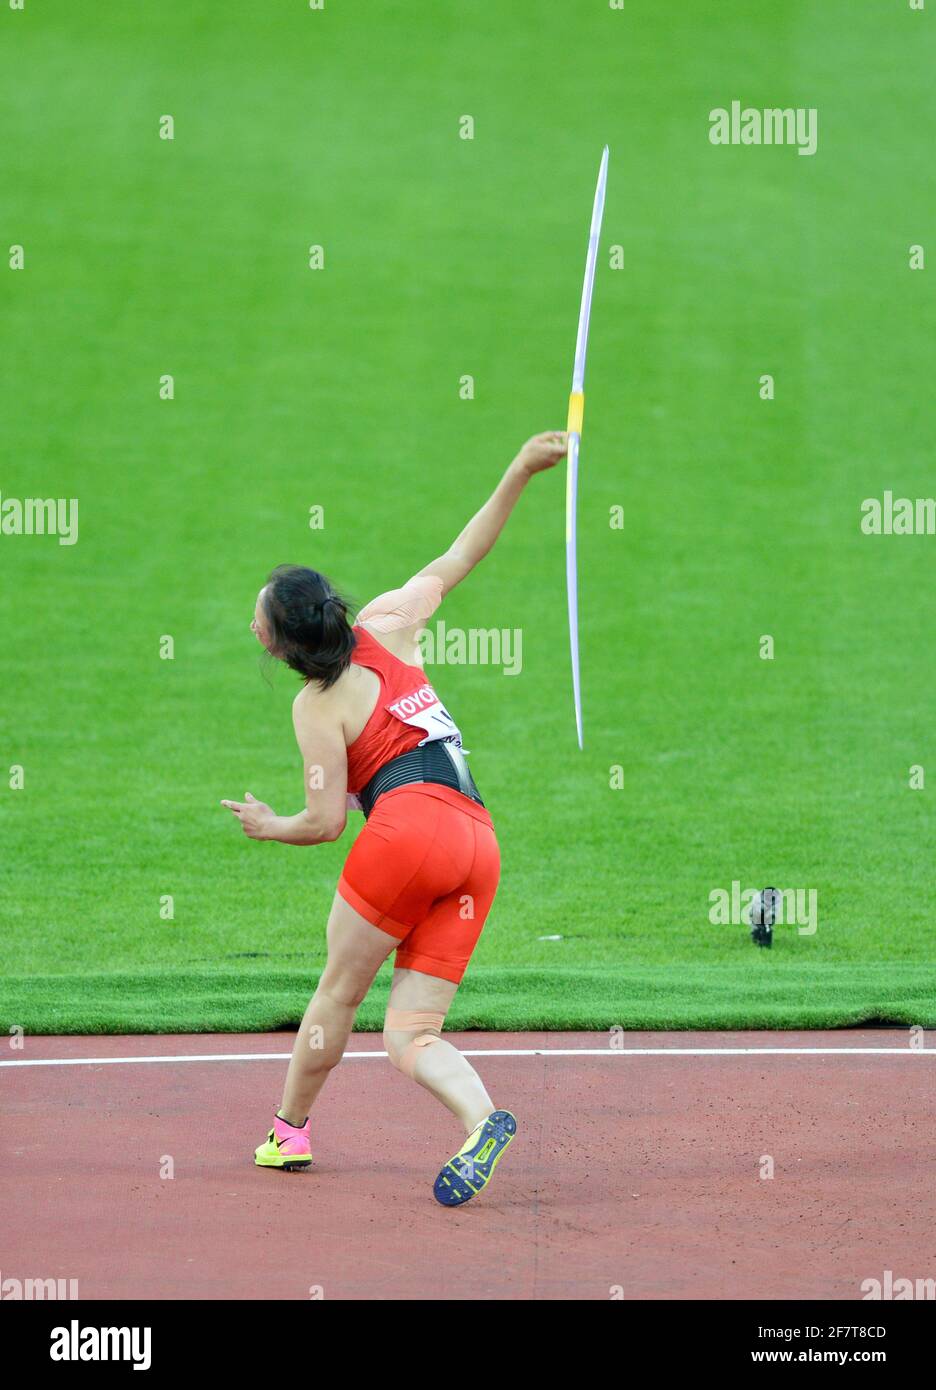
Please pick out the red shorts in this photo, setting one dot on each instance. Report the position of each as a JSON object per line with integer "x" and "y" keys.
{"x": 425, "y": 869}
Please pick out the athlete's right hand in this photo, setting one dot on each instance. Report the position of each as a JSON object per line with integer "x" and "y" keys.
{"x": 541, "y": 452}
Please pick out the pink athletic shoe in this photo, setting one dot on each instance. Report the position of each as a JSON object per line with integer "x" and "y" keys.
{"x": 287, "y": 1147}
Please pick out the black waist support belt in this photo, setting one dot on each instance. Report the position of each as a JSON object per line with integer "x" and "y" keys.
{"x": 437, "y": 762}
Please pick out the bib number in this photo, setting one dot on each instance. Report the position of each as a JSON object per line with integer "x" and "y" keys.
{"x": 424, "y": 710}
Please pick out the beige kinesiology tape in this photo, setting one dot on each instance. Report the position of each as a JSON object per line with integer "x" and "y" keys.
{"x": 416, "y": 1022}
{"x": 414, "y": 603}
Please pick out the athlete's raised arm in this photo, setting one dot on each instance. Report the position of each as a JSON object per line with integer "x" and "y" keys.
{"x": 418, "y": 599}
{"x": 470, "y": 547}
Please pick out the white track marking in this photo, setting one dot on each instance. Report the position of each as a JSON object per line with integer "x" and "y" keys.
{"x": 499, "y": 1052}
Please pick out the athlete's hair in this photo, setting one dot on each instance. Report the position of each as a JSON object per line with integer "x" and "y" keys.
{"x": 309, "y": 624}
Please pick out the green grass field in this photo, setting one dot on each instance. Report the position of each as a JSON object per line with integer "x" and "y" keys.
{"x": 339, "y": 388}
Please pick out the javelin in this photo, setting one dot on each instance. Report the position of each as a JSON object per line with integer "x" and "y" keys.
{"x": 574, "y": 427}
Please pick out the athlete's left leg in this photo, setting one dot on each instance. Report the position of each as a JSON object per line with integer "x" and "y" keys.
{"x": 356, "y": 951}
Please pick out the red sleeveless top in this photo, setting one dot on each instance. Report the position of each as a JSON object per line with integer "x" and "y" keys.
{"x": 408, "y": 712}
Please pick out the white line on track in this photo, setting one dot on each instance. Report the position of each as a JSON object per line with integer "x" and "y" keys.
{"x": 498, "y": 1052}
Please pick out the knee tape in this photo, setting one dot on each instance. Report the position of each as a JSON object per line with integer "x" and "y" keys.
{"x": 416, "y": 1022}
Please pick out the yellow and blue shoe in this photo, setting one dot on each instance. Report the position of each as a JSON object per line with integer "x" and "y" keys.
{"x": 287, "y": 1147}
{"x": 472, "y": 1168}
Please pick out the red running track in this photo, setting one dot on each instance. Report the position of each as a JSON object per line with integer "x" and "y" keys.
{"x": 632, "y": 1176}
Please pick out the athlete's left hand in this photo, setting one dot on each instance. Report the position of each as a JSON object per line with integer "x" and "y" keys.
{"x": 254, "y": 815}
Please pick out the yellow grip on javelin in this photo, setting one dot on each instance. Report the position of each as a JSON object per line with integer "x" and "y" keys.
{"x": 576, "y": 412}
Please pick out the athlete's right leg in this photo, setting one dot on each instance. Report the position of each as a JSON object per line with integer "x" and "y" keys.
{"x": 356, "y": 951}
{"x": 431, "y": 961}
{"x": 415, "y": 1014}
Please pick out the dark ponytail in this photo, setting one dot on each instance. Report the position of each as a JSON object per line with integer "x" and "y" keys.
{"x": 309, "y": 625}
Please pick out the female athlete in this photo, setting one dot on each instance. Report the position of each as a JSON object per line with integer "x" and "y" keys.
{"x": 421, "y": 876}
